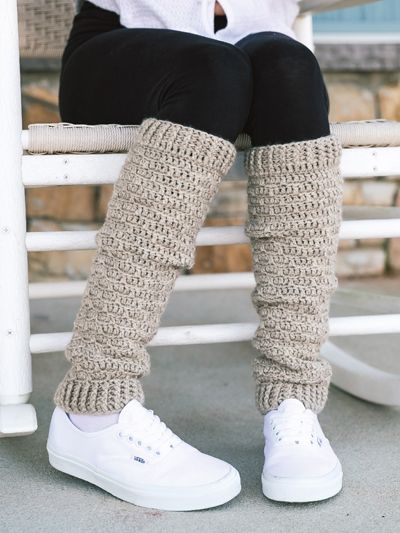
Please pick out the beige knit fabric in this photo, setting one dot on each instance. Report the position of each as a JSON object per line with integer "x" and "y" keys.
{"x": 295, "y": 194}
{"x": 159, "y": 203}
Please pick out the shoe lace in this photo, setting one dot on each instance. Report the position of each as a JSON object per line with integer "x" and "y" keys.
{"x": 295, "y": 429}
{"x": 153, "y": 434}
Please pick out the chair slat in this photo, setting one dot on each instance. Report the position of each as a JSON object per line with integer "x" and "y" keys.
{"x": 194, "y": 282}
{"x": 307, "y": 6}
{"x": 40, "y": 241}
{"x": 100, "y": 169}
{"x": 236, "y": 332}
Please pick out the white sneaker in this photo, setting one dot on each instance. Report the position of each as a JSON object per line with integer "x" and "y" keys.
{"x": 300, "y": 465}
{"x": 140, "y": 460}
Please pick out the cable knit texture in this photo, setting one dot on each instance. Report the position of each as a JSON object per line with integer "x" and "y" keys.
{"x": 159, "y": 203}
{"x": 295, "y": 193}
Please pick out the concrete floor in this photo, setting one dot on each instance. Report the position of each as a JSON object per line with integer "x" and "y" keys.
{"x": 205, "y": 394}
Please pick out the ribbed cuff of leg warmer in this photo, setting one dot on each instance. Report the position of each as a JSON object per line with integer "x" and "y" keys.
{"x": 190, "y": 145}
{"x": 91, "y": 396}
{"x": 299, "y": 157}
{"x": 270, "y": 395}
{"x": 292, "y": 187}
{"x": 163, "y": 193}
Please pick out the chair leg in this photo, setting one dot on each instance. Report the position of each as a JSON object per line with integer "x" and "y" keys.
{"x": 360, "y": 379}
{"x": 16, "y": 418}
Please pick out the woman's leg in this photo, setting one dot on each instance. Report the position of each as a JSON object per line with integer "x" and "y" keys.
{"x": 179, "y": 88}
{"x": 294, "y": 193}
{"x": 197, "y": 93}
{"x": 125, "y": 75}
{"x": 294, "y": 215}
{"x": 290, "y": 102}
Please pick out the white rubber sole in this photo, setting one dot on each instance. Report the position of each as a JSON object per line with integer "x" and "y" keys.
{"x": 155, "y": 497}
{"x": 296, "y": 490}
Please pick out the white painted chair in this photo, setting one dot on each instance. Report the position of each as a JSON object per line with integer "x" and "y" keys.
{"x": 47, "y": 155}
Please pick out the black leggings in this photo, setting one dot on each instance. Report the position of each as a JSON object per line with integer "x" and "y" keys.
{"x": 267, "y": 84}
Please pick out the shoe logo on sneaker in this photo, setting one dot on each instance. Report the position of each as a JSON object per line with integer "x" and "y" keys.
{"x": 139, "y": 459}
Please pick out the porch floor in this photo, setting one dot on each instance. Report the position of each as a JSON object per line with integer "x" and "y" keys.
{"x": 205, "y": 394}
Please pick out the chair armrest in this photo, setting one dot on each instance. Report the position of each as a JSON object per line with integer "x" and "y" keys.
{"x": 315, "y": 6}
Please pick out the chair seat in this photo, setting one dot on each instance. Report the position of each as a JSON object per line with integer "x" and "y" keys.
{"x": 64, "y": 137}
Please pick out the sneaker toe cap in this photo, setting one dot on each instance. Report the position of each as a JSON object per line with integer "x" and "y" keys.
{"x": 300, "y": 466}
{"x": 199, "y": 469}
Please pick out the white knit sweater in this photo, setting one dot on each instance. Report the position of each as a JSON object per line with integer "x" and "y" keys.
{"x": 197, "y": 16}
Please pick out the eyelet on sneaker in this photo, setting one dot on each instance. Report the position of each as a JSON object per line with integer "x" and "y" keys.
{"x": 158, "y": 453}
{"x": 139, "y": 442}
{"x": 130, "y": 438}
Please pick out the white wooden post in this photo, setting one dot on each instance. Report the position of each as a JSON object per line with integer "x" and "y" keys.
{"x": 15, "y": 358}
{"x": 303, "y": 28}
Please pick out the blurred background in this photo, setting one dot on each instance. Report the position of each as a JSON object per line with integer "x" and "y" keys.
{"x": 359, "y": 52}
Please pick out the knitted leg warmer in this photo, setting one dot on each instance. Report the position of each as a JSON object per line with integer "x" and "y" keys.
{"x": 294, "y": 214}
{"x": 159, "y": 203}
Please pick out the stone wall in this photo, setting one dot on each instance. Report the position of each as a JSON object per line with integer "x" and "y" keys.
{"x": 353, "y": 96}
